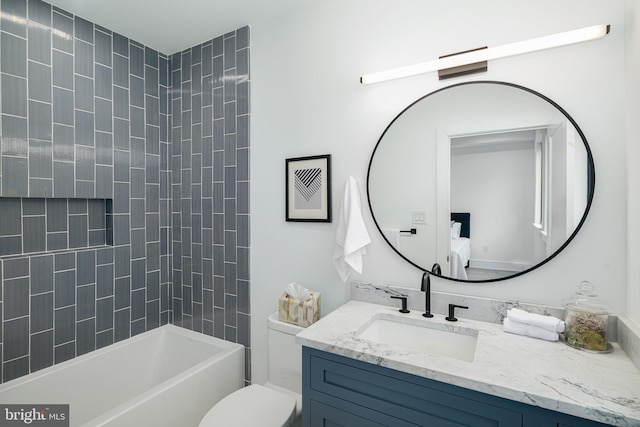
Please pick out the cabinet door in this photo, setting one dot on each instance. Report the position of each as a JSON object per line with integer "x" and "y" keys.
{"x": 556, "y": 419}
{"x": 414, "y": 400}
{"x": 323, "y": 415}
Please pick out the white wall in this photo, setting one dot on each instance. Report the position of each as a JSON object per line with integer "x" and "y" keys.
{"x": 498, "y": 189}
{"x": 632, "y": 69}
{"x": 306, "y": 99}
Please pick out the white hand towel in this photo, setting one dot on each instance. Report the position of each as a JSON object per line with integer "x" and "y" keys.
{"x": 351, "y": 234}
{"x": 529, "y": 330}
{"x": 546, "y": 322}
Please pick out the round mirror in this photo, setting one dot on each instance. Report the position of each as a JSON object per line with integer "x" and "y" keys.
{"x": 489, "y": 180}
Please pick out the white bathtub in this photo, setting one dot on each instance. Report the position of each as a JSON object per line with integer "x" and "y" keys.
{"x": 169, "y": 376}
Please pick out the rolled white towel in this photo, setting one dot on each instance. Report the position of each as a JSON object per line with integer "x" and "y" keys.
{"x": 549, "y": 323}
{"x": 529, "y": 330}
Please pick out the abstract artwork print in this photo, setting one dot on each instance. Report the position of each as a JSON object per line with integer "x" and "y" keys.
{"x": 308, "y": 188}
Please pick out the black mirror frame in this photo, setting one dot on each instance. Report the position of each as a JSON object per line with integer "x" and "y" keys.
{"x": 591, "y": 180}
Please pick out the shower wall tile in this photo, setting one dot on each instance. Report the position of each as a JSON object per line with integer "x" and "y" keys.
{"x": 13, "y": 55}
{"x": 41, "y": 350}
{"x": 63, "y": 106}
{"x": 14, "y": 96}
{"x": 42, "y": 306}
{"x": 210, "y": 183}
{"x": 39, "y": 82}
{"x": 34, "y": 236}
{"x": 39, "y": 42}
{"x": 162, "y": 143}
{"x": 16, "y": 9}
{"x": 63, "y": 26}
{"x": 103, "y": 47}
{"x": 15, "y": 338}
{"x": 85, "y": 336}
{"x": 15, "y": 178}
{"x": 72, "y": 99}
{"x": 62, "y": 69}
{"x": 14, "y": 135}
{"x": 41, "y": 277}
{"x": 83, "y": 57}
{"x": 16, "y": 298}
{"x": 39, "y": 224}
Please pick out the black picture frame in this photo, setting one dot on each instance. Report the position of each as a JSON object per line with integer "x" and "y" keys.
{"x": 308, "y": 189}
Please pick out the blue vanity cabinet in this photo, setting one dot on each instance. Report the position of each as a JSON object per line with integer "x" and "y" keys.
{"x": 555, "y": 419}
{"x": 340, "y": 391}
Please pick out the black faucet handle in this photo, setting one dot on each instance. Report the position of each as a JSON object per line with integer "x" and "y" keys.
{"x": 452, "y": 312}
{"x": 402, "y": 298}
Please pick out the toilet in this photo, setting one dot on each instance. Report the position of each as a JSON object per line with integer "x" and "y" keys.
{"x": 278, "y": 403}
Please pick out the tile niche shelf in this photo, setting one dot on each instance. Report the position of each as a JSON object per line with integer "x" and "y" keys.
{"x": 35, "y": 225}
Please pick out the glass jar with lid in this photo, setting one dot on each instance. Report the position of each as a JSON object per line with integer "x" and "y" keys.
{"x": 586, "y": 319}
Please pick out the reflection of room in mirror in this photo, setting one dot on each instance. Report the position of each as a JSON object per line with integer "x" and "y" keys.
{"x": 483, "y": 274}
{"x": 508, "y": 156}
{"x": 522, "y": 211}
{"x": 493, "y": 176}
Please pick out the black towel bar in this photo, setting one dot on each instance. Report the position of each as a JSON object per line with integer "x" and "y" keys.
{"x": 412, "y": 231}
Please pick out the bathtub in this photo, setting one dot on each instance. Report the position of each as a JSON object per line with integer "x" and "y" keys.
{"x": 168, "y": 376}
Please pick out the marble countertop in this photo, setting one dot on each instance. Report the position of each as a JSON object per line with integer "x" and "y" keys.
{"x": 551, "y": 375}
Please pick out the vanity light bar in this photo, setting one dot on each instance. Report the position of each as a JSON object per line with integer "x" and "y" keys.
{"x": 475, "y": 56}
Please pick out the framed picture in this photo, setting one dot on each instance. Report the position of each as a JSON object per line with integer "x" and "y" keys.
{"x": 308, "y": 188}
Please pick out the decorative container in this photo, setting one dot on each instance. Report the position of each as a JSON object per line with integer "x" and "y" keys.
{"x": 301, "y": 313}
{"x": 586, "y": 321}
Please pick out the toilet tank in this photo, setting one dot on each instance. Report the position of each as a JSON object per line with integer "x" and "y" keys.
{"x": 284, "y": 355}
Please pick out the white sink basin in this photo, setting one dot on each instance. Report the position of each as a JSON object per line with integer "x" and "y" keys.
{"x": 421, "y": 335}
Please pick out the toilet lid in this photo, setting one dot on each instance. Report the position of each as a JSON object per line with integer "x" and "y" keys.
{"x": 255, "y": 405}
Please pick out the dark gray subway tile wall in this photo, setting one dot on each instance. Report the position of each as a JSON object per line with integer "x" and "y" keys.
{"x": 90, "y": 114}
{"x": 91, "y": 117}
{"x": 210, "y": 188}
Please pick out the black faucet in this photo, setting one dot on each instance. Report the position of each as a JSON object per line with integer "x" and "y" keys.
{"x": 452, "y": 312}
{"x": 435, "y": 269}
{"x": 426, "y": 287}
{"x": 403, "y": 299}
